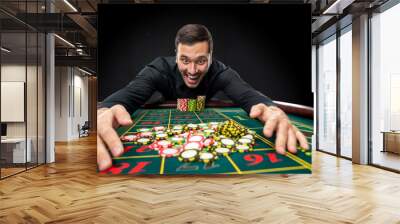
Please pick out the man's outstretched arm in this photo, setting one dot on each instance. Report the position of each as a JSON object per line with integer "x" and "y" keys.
{"x": 274, "y": 119}
{"x": 115, "y": 111}
{"x": 261, "y": 107}
{"x": 108, "y": 141}
{"x": 135, "y": 94}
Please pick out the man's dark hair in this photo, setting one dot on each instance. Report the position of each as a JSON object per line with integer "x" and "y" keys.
{"x": 190, "y": 34}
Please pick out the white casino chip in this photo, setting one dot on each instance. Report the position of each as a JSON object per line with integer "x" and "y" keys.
{"x": 222, "y": 150}
{"x": 188, "y": 154}
{"x": 227, "y": 142}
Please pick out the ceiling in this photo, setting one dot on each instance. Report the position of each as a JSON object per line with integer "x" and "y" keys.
{"x": 76, "y": 22}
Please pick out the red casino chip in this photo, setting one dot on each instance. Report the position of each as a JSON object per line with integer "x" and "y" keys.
{"x": 146, "y": 134}
{"x": 193, "y": 145}
{"x": 184, "y": 135}
{"x": 169, "y": 152}
{"x": 208, "y": 142}
{"x": 129, "y": 138}
{"x": 159, "y": 128}
{"x": 164, "y": 144}
{"x": 195, "y": 138}
{"x": 154, "y": 146}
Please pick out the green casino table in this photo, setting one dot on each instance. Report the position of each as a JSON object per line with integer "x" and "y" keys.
{"x": 140, "y": 159}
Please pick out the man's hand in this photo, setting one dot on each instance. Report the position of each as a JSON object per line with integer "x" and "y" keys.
{"x": 275, "y": 119}
{"x": 107, "y": 138}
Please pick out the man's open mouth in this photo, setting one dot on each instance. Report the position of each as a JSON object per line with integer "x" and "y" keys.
{"x": 192, "y": 79}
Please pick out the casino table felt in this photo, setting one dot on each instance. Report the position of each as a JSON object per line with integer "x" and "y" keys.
{"x": 141, "y": 160}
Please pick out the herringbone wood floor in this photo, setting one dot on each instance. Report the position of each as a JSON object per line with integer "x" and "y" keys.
{"x": 70, "y": 191}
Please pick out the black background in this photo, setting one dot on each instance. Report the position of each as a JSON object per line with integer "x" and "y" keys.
{"x": 268, "y": 45}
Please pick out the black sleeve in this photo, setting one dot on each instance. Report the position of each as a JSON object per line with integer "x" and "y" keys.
{"x": 239, "y": 91}
{"x": 137, "y": 92}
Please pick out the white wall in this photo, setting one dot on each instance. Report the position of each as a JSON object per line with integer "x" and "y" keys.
{"x": 71, "y": 94}
{"x": 61, "y": 103}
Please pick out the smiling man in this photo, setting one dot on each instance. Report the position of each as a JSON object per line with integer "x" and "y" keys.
{"x": 190, "y": 73}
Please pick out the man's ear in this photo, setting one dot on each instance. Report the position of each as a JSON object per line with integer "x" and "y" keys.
{"x": 211, "y": 58}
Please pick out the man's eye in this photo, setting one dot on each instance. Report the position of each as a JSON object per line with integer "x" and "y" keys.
{"x": 201, "y": 62}
{"x": 185, "y": 61}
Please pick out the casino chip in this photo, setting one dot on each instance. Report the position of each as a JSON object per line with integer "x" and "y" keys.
{"x": 143, "y": 141}
{"x": 188, "y": 155}
{"x": 208, "y": 142}
{"x": 129, "y": 138}
{"x": 222, "y": 151}
{"x": 177, "y": 140}
{"x": 245, "y": 141}
{"x": 242, "y": 148}
{"x": 203, "y": 126}
{"x": 231, "y": 129}
{"x": 168, "y": 132}
{"x": 251, "y": 132}
{"x": 184, "y": 134}
{"x": 208, "y": 132}
{"x": 201, "y": 103}
{"x": 161, "y": 136}
{"x": 192, "y": 126}
{"x": 207, "y": 157}
{"x": 195, "y": 138}
{"x": 227, "y": 143}
{"x": 159, "y": 128}
{"x": 182, "y": 105}
{"x": 169, "y": 152}
{"x": 177, "y": 131}
{"x": 164, "y": 143}
{"x": 176, "y": 127}
{"x": 192, "y": 146}
{"x": 146, "y": 134}
{"x": 143, "y": 129}
{"x": 213, "y": 125}
{"x": 219, "y": 137}
{"x": 249, "y": 136}
{"x": 192, "y": 105}
{"x": 154, "y": 146}
{"x": 195, "y": 142}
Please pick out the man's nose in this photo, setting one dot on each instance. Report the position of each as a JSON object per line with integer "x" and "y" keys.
{"x": 192, "y": 68}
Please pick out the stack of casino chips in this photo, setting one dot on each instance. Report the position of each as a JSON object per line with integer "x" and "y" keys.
{"x": 201, "y": 103}
{"x": 232, "y": 130}
{"x": 182, "y": 105}
{"x": 191, "y": 105}
{"x": 203, "y": 142}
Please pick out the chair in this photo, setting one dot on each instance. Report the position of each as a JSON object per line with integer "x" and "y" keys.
{"x": 84, "y": 130}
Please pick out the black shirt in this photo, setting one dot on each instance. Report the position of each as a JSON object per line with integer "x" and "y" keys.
{"x": 162, "y": 75}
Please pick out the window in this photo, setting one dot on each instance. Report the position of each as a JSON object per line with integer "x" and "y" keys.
{"x": 22, "y": 75}
{"x": 327, "y": 95}
{"x": 385, "y": 88}
{"x": 346, "y": 93}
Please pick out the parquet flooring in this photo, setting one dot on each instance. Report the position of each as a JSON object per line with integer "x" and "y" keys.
{"x": 70, "y": 191}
